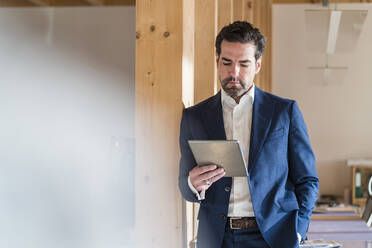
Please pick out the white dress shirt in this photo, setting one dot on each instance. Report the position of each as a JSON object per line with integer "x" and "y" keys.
{"x": 237, "y": 120}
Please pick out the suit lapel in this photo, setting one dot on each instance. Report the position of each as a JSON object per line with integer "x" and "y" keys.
{"x": 213, "y": 119}
{"x": 263, "y": 109}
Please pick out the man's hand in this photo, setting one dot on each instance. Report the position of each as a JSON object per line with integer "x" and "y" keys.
{"x": 202, "y": 177}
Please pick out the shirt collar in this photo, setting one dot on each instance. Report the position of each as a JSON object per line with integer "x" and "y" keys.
{"x": 228, "y": 101}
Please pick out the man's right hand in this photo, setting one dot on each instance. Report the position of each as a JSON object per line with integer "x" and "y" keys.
{"x": 202, "y": 177}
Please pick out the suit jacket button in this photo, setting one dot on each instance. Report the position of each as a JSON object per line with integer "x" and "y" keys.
{"x": 223, "y": 217}
{"x": 227, "y": 188}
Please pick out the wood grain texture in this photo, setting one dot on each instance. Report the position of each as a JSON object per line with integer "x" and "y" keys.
{"x": 262, "y": 19}
{"x": 65, "y": 3}
{"x": 238, "y": 10}
{"x": 189, "y": 218}
{"x": 96, "y": 2}
{"x": 205, "y": 63}
{"x": 158, "y": 114}
{"x": 225, "y": 13}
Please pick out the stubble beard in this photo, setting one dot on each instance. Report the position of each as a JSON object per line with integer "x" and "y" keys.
{"x": 234, "y": 91}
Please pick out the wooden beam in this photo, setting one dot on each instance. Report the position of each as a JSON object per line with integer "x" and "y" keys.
{"x": 262, "y": 14}
{"x": 237, "y": 7}
{"x": 188, "y": 63}
{"x": 16, "y": 3}
{"x": 225, "y": 13}
{"x": 248, "y": 10}
{"x": 96, "y": 2}
{"x": 65, "y": 3}
{"x": 120, "y": 2}
{"x": 205, "y": 62}
{"x": 158, "y": 114}
{"x": 41, "y": 2}
{"x": 69, "y": 3}
{"x": 243, "y": 10}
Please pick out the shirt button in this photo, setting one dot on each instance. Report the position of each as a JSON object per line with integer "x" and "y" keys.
{"x": 227, "y": 188}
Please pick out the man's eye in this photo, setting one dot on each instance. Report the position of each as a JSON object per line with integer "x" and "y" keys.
{"x": 226, "y": 63}
{"x": 244, "y": 65}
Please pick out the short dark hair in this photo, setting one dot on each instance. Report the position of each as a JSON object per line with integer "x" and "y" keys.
{"x": 243, "y": 32}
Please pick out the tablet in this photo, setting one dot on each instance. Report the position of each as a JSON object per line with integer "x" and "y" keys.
{"x": 223, "y": 153}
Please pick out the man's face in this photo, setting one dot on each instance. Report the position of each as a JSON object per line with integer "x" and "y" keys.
{"x": 237, "y": 67}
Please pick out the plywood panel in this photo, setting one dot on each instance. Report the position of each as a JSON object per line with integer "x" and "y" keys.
{"x": 205, "y": 33}
{"x": 158, "y": 114}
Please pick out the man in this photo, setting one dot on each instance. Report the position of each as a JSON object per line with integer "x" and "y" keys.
{"x": 272, "y": 206}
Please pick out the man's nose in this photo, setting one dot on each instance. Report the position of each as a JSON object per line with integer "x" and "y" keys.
{"x": 234, "y": 72}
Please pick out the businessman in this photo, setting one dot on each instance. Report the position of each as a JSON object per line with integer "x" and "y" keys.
{"x": 272, "y": 206}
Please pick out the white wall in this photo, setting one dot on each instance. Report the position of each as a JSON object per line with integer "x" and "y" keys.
{"x": 338, "y": 115}
{"x": 67, "y": 88}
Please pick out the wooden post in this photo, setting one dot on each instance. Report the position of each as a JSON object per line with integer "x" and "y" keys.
{"x": 205, "y": 34}
{"x": 158, "y": 113}
{"x": 262, "y": 18}
{"x": 225, "y": 13}
{"x": 188, "y": 60}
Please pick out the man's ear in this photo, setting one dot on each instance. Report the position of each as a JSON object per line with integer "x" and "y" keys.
{"x": 217, "y": 58}
{"x": 258, "y": 64}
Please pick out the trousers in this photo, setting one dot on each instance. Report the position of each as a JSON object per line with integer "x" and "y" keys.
{"x": 243, "y": 238}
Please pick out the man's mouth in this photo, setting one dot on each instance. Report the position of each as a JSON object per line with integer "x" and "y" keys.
{"x": 234, "y": 83}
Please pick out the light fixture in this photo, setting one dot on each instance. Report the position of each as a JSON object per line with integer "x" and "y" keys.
{"x": 334, "y": 25}
{"x": 336, "y": 32}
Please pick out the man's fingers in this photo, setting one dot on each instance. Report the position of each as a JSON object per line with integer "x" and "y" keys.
{"x": 205, "y": 181}
{"x": 217, "y": 177}
{"x": 205, "y": 186}
{"x": 197, "y": 170}
{"x": 210, "y": 174}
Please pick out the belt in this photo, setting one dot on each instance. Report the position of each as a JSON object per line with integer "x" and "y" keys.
{"x": 242, "y": 222}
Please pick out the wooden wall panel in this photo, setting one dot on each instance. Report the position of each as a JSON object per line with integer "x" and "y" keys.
{"x": 242, "y": 10}
{"x": 248, "y": 10}
{"x": 158, "y": 114}
{"x": 262, "y": 14}
{"x": 205, "y": 33}
{"x": 224, "y": 12}
{"x": 238, "y": 12}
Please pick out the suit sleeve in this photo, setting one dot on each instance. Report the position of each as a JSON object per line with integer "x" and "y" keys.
{"x": 302, "y": 169}
{"x": 187, "y": 161}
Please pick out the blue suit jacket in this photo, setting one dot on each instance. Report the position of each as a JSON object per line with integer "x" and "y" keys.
{"x": 282, "y": 176}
